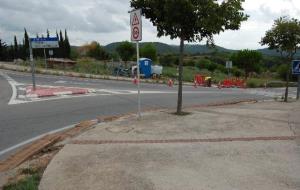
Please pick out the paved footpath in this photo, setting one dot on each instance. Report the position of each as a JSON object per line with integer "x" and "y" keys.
{"x": 245, "y": 146}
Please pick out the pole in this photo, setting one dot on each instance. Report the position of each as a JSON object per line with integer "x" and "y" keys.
{"x": 45, "y": 58}
{"x": 32, "y": 66}
{"x": 298, "y": 89}
{"x": 138, "y": 78}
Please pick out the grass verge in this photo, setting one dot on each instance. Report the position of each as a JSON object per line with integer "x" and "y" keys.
{"x": 30, "y": 179}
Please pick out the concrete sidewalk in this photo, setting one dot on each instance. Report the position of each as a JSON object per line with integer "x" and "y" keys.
{"x": 245, "y": 146}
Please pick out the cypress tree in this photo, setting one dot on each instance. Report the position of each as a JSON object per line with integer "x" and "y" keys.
{"x": 11, "y": 52}
{"x": 61, "y": 45}
{"x": 67, "y": 47}
{"x": 16, "y": 48}
{"x": 26, "y": 45}
{"x": 48, "y": 33}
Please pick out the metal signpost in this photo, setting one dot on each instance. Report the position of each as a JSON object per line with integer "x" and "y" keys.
{"x": 296, "y": 71}
{"x": 136, "y": 36}
{"x": 40, "y": 43}
{"x": 228, "y": 67}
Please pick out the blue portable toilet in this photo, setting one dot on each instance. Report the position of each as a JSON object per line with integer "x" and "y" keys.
{"x": 145, "y": 67}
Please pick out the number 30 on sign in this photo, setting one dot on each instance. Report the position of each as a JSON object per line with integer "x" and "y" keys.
{"x": 136, "y": 25}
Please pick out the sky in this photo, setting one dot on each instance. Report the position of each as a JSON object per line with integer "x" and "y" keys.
{"x": 107, "y": 21}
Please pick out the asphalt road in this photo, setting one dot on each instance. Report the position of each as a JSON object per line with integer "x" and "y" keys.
{"x": 21, "y": 122}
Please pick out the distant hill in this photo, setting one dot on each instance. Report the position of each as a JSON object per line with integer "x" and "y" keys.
{"x": 163, "y": 48}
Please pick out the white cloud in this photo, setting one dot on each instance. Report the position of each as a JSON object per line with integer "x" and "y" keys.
{"x": 107, "y": 20}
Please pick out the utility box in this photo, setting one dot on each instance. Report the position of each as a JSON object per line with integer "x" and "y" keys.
{"x": 145, "y": 67}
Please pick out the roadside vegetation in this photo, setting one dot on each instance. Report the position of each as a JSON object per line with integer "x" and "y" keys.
{"x": 30, "y": 179}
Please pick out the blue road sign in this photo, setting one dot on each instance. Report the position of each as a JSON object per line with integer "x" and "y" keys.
{"x": 44, "y": 43}
{"x": 296, "y": 67}
{"x": 44, "y": 39}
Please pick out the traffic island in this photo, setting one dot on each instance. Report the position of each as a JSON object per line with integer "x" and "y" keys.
{"x": 245, "y": 146}
{"x": 47, "y": 91}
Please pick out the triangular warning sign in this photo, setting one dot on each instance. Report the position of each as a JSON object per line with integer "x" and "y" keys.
{"x": 135, "y": 20}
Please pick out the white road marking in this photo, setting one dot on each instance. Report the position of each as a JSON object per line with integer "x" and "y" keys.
{"x": 13, "y": 84}
{"x": 60, "y": 82}
{"x": 34, "y": 139}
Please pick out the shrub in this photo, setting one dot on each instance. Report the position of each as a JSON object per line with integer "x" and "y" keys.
{"x": 282, "y": 70}
{"x": 237, "y": 72}
{"x": 252, "y": 84}
{"x": 203, "y": 64}
{"x": 168, "y": 60}
{"x": 190, "y": 63}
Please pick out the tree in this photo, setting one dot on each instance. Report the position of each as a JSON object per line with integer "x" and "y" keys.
{"x": 126, "y": 51}
{"x": 284, "y": 36}
{"x": 48, "y": 33}
{"x": 61, "y": 45}
{"x": 247, "y": 60}
{"x": 149, "y": 51}
{"x": 96, "y": 51}
{"x": 67, "y": 46}
{"x": 3, "y": 50}
{"x": 191, "y": 21}
{"x": 16, "y": 48}
{"x": 26, "y": 45}
{"x": 56, "y": 51}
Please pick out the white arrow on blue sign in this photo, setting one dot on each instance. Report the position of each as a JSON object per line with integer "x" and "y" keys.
{"x": 44, "y": 43}
{"x": 296, "y": 67}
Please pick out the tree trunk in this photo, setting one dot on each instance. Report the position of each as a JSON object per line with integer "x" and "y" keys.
{"x": 180, "y": 72}
{"x": 287, "y": 86}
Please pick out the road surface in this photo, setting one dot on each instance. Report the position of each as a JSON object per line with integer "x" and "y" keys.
{"x": 24, "y": 120}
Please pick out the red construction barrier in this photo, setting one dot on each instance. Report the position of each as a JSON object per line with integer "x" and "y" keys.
{"x": 233, "y": 83}
{"x": 199, "y": 80}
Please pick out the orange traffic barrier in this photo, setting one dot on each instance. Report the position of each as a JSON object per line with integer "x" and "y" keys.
{"x": 135, "y": 80}
{"x": 170, "y": 83}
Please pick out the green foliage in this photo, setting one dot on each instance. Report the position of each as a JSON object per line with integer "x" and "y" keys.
{"x": 16, "y": 48}
{"x": 237, "y": 72}
{"x": 30, "y": 182}
{"x": 248, "y": 60}
{"x": 168, "y": 60}
{"x": 207, "y": 64}
{"x": 221, "y": 68}
{"x": 169, "y": 72}
{"x": 126, "y": 51}
{"x": 74, "y": 54}
{"x": 203, "y": 64}
{"x": 149, "y": 51}
{"x": 191, "y": 20}
{"x": 61, "y": 45}
{"x": 190, "y": 63}
{"x": 283, "y": 36}
{"x": 282, "y": 70}
{"x": 255, "y": 83}
{"x": 67, "y": 46}
{"x": 189, "y": 73}
{"x": 95, "y": 50}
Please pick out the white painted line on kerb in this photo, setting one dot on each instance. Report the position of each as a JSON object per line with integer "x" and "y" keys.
{"x": 13, "y": 85}
{"x": 34, "y": 139}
